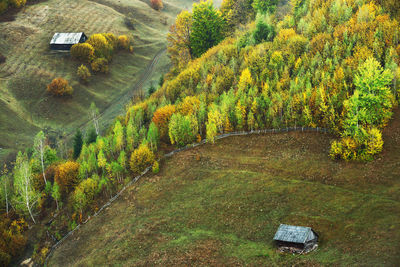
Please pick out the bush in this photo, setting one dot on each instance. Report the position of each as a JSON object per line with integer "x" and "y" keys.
{"x": 17, "y": 3}
{"x": 123, "y": 42}
{"x": 141, "y": 158}
{"x": 101, "y": 45}
{"x": 156, "y": 4}
{"x": 83, "y": 52}
{"x": 83, "y": 73}
{"x": 12, "y": 240}
{"x": 100, "y": 65}
{"x": 2, "y": 58}
{"x": 156, "y": 167}
{"x": 59, "y": 87}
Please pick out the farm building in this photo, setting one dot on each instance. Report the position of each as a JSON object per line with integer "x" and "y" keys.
{"x": 64, "y": 41}
{"x": 297, "y": 239}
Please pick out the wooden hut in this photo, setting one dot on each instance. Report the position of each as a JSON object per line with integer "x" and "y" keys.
{"x": 64, "y": 41}
{"x": 296, "y": 239}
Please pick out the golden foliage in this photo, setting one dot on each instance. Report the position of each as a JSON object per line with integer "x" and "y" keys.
{"x": 59, "y": 87}
{"x": 66, "y": 176}
{"x": 141, "y": 158}
{"x": 161, "y": 118}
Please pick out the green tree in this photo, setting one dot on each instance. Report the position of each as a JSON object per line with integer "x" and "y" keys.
{"x": 264, "y": 31}
{"x": 5, "y": 186}
{"x": 101, "y": 159}
{"x": 55, "y": 193}
{"x": 153, "y": 137}
{"x": 265, "y": 6}
{"x": 91, "y": 136}
{"x": 78, "y": 142}
{"x": 371, "y": 103}
{"x": 207, "y": 28}
{"x": 182, "y": 130}
{"x": 118, "y": 141}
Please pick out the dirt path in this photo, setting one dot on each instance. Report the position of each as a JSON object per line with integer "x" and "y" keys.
{"x": 125, "y": 98}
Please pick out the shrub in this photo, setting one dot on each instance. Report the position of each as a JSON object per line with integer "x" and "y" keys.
{"x": 17, "y": 3}
{"x": 2, "y": 58}
{"x": 66, "y": 176}
{"x": 156, "y": 4}
{"x": 59, "y": 87}
{"x": 83, "y": 72}
{"x": 100, "y": 65}
{"x": 141, "y": 158}
{"x": 156, "y": 167}
{"x": 83, "y": 52}
{"x": 102, "y": 48}
{"x": 123, "y": 42}
{"x": 12, "y": 240}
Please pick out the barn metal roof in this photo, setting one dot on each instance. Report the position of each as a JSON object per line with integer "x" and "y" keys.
{"x": 295, "y": 234}
{"x": 66, "y": 38}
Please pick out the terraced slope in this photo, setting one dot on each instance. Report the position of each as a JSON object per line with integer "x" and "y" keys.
{"x": 30, "y": 64}
{"x": 220, "y": 205}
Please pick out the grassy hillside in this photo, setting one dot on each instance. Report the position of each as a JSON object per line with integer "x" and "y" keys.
{"x": 30, "y": 65}
{"x": 221, "y": 204}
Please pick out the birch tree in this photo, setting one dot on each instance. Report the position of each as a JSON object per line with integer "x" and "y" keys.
{"x": 94, "y": 115}
{"x": 55, "y": 193}
{"x": 25, "y": 195}
{"x": 5, "y": 187}
{"x": 40, "y": 149}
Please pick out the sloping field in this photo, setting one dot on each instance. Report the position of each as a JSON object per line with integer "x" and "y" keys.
{"x": 221, "y": 204}
{"x": 31, "y": 65}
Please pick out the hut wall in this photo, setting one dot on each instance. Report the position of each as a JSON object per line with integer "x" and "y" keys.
{"x": 290, "y": 244}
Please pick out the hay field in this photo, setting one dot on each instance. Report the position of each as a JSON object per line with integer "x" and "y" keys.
{"x": 25, "y": 107}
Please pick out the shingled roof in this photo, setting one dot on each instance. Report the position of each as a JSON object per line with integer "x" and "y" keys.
{"x": 294, "y": 234}
{"x": 66, "y": 38}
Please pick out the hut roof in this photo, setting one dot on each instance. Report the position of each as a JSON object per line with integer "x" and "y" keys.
{"x": 66, "y": 38}
{"x": 294, "y": 234}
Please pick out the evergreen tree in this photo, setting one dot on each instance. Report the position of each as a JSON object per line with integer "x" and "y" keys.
{"x": 78, "y": 142}
{"x": 91, "y": 136}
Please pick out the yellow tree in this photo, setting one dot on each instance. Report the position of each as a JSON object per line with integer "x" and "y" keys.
{"x": 178, "y": 39}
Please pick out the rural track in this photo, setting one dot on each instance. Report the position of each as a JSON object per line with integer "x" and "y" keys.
{"x": 125, "y": 98}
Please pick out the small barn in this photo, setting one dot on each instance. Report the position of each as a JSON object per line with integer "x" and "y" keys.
{"x": 296, "y": 239}
{"x": 65, "y": 40}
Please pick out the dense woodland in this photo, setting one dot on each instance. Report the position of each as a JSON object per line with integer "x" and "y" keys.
{"x": 250, "y": 65}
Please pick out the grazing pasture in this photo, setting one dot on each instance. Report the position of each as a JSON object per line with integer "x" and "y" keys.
{"x": 30, "y": 64}
{"x": 221, "y": 205}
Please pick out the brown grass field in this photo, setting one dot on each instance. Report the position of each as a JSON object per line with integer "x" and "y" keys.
{"x": 220, "y": 205}
{"x": 25, "y": 107}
